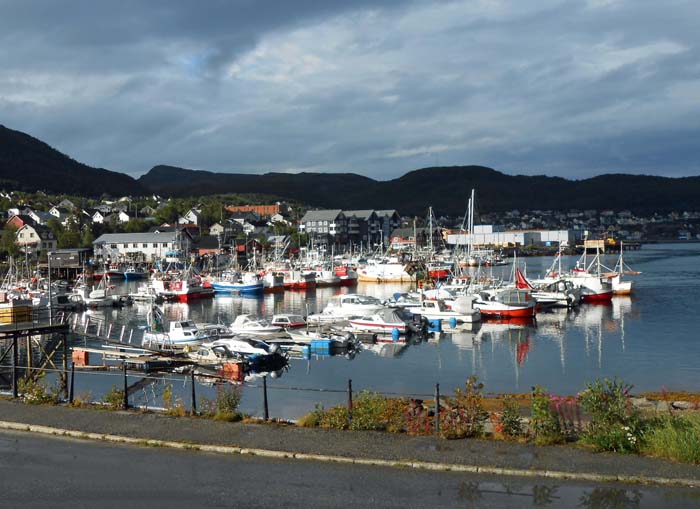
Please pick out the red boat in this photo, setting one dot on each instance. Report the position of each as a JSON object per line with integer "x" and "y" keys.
{"x": 296, "y": 280}
{"x": 347, "y": 275}
{"x": 506, "y": 303}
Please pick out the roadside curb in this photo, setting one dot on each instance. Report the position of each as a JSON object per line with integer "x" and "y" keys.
{"x": 420, "y": 465}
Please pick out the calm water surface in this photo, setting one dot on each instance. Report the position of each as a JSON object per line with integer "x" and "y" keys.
{"x": 649, "y": 339}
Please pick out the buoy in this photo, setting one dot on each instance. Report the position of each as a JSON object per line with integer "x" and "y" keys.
{"x": 453, "y": 322}
{"x": 395, "y": 334}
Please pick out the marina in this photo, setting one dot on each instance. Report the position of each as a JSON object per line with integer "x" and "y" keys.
{"x": 646, "y": 338}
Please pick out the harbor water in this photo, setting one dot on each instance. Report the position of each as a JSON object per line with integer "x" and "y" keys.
{"x": 649, "y": 339}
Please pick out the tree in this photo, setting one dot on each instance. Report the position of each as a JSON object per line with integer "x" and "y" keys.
{"x": 87, "y": 238}
{"x": 8, "y": 246}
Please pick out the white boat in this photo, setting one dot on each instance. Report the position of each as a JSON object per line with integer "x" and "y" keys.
{"x": 351, "y": 304}
{"x": 386, "y": 321}
{"x": 181, "y": 333}
{"x": 463, "y": 310}
{"x": 260, "y": 356}
{"x": 553, "y": 292}
{"x": 244, "y": 324}
{"x": 385, "y": 271}
{"x": 145, "y": 293}
{"x": 326, "y": 278}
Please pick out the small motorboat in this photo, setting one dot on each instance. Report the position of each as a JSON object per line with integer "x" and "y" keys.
{"x": 244, "y": 324}
{"x": 181, "y": 334}
{"x": 288, "y": 321}
{"x": 386, "y": 321}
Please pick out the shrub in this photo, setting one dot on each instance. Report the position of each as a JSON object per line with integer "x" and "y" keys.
{"x": 419, "y": 420}
{"x": 394, "y": 415}
{"x": 114, "y": 398}
{"x": 510, "y": 422}
{"x": 82, "y": 400}
{"x": 675, "y": 437}
{"x": 228, "y": 398}
{"x": 312, "y": 419}
{"x": 544, "y": 422}
{"x": 335, "y": 418}
{"x": 35, "y": 392}
{"x": 173, "y": 406}
{"x": 463, "y": 415}
{"x": 615, "y": 425}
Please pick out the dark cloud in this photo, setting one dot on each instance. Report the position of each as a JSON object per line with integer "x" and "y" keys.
{"x": 564, "y": 87}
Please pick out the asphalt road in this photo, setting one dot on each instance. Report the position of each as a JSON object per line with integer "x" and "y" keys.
{"x": 39, "y": 471}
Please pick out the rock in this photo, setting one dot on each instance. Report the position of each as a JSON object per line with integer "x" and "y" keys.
{"x": 682, "y": 405}
{"x": 642, "y": 403}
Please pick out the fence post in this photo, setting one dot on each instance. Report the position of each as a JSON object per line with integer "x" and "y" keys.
{"x": 72, "y": 383}
{"x": 266, "y": 414}
{"x": 437, "y": 409}
{"x": 194, "y": 395}
{"x": 350, "y": 399}
{"x": 126, "y": 394}
{"x": 64, "y": 364}
{"x": 14, "y": 367}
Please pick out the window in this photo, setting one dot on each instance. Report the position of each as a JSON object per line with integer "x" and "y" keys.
{"x": 113, "y": 246}
{"x": 144, "y": 244}
{"x": 134, "y": 245}
{"x": 155, "y": 244}
{"x": 31, "y": 235}
{"x": 165, "y": 244}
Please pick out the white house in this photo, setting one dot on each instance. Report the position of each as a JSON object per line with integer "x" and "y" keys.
{"x": 146, "y": 246}
{"x": 193, "y": 216}
{"x": 31, "y": 239}
{"x": 98, "y": 217}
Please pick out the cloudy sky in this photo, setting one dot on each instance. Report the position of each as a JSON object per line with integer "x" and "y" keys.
{"x": 573, "y": 88}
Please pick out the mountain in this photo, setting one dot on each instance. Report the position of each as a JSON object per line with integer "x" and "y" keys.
{"x": 445, "y": 188}
{"x": 28, "y": 164}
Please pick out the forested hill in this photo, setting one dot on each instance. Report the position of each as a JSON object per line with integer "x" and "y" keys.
{"x": 28, "y": 164}
{"x": 447, "y": 189}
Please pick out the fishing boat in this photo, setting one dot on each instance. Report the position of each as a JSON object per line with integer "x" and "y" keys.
{"x": 181, "y": 287}
{"x": 244, "y": 283}
{"x": 326, "y": 278}
{"x": 505, "y": 303}
{"x": 347, "y": 275}
{"x": 385, "y": 271}
{"x": 298, "y": 280}
{"x": 132, "y": 273}
{"x": 181, "y": 334}
{"x": 273, "y": 282}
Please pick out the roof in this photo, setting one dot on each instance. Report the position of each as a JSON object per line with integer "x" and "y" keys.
{"x": 361, "y": 214}
{"x": 321, "y": 215}
{"x": 207, "y": 242}
{"x": 385, "y": 213}
{"x": 120, "y": 238}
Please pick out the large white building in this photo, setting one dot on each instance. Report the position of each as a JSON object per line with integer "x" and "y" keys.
{"x": 497, "y": 235}
{"x": 147, "y": 247}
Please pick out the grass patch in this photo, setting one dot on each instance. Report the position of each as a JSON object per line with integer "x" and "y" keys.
{"x": 675, "y": 437}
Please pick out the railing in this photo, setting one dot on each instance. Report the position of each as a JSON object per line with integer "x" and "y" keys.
{"x": 95, "y": 327}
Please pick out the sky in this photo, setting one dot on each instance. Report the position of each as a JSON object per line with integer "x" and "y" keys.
{"x": 570, "y": 88}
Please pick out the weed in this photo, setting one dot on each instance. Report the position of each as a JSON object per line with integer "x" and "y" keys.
{"x": 82, "y": 400}
{"x": 463, "y": 415}
{"x": 114, "y": 398}
{"x": 615, "y": 425}
{"x": 313, "y": 418}
{"x": 419, "y": 420}
{"x": 544, "y": 421}
{"x": 510, "y": 424}
{"x": 335, "y": 418}
{"x": 34, "y": 390}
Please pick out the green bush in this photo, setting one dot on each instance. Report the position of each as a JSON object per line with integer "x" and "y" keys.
{"x": 35, "y": 392}
{"x": 335, "y": 418}
{"x": 228, "y": 398}
{"x": 544, "y": 421}
{"x": 614, "y": 425}
{"x": 312, "y": 419}
{"x": 114, "y": 398}
{"x": 510, "y": 422}
{"x": 675, "y": 437}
